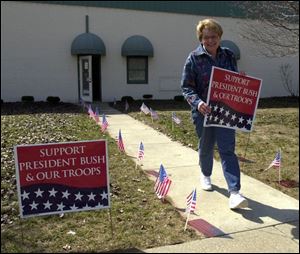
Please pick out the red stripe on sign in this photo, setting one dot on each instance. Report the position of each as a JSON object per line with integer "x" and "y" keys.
{"x": 205, "y": 228}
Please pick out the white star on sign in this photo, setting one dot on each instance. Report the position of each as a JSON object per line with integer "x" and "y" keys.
{"x": 52, "y": 192}
{"x": 47, "y": 205}
{"x": 60, "y": 206}
{"x": 25, "y": 195}
{"x": 33, "y": 205}
{"x": 66, "y": 194}
{"x": 39, "y": 193}
{"x": 104, "y": 195}
{"x": 249, "y": 121}
{"x": 78, "y": 196}
{"x": 241, "y": 119}
{"x": 92, "y": 196}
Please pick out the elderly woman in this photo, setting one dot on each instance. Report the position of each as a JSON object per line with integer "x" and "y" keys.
{"x": 194, "y": 84}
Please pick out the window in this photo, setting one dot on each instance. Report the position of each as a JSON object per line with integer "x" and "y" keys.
{"x": 137, "y": 70}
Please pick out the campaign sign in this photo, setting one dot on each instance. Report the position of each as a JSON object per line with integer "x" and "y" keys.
{"x": 233, "y": 99}
{"x": 62, "y": 177}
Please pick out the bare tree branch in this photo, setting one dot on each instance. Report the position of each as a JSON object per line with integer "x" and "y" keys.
{"x": 272, "y": 25}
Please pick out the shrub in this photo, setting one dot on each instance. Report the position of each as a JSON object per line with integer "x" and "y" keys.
{"x": 178, "y": 98}
{"x": 127, "y": 98}
{"x": 53, "y": 99}
{"x": 148, "y": 96}
{"x": 27, "y": 98}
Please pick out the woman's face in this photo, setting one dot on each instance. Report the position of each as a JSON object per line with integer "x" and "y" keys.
{"x": 211, "y": 41}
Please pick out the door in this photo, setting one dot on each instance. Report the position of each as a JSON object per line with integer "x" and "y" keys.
{"x": 86, "y": 82}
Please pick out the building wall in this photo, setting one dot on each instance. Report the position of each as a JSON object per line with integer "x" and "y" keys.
{"x": 36, "y": 51}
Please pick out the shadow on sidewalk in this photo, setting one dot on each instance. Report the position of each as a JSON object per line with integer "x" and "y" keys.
{"x": 258, "y": 210}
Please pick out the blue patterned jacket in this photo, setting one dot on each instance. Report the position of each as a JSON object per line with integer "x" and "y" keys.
{"x": 197, "y": 70}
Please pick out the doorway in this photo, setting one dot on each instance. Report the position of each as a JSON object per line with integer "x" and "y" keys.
{"x": 90, "y": 78}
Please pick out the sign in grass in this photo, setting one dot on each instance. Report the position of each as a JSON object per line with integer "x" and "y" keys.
{"x": 233, "y": 99}
{"x": 62, "y": 177}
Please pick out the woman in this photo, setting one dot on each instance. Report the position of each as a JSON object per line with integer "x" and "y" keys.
{"x": 194, "y": 84}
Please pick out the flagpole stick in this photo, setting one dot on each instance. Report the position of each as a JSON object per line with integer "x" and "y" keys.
{"x": 279, "y": 175}
{"x": 279, "y": 171}
{"x": 111, "y": 224}
{"x": 172, "y": 124}
{"x": 187, "y": 218}
{"x": 136, "y": 163}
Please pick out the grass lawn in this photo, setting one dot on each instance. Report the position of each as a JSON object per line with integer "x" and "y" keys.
{"x": 139, "y": 219}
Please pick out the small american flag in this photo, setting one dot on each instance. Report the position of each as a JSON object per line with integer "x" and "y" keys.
{"x": 162, "y": 184}
{"x": 104, "y": 123}
{"x": 191, "y": 202}
{"x": 175, "y": 118}
{"x": 141, "y": 152}
{"x": 90, "y": 111}
{"x": 145, "y": 109}
{"x": 120, "y": 142}
{"x": 96, "y": 117}
{"x": 276, "y": 162}
{"x": 154, "y": 114}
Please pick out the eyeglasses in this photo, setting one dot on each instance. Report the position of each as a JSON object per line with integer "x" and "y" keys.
{"x": 213, "y": 37}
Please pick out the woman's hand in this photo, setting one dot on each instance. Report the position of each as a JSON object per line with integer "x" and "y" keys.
{"x": 204, "y": 109}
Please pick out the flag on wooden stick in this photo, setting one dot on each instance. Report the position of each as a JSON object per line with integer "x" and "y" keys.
{"x": 104, "y": 124}
{"x": 90, "y": 111}
{"x": 154, "y": 114}
{"x": 96, "y": 117}
{"x": 190, "y": 205}
{"x": 140, "y": 155}
{"x": 276, "y": 163}
{"x": 120, "y": 142}
{"x": 145, "y": 109}
{"x": 175, "y": 119}
{"x": 191, "y": 202}
{"x": 162, "y": 183}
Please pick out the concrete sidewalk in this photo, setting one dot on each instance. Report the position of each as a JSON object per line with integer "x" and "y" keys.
{"x": 269, "y": 224}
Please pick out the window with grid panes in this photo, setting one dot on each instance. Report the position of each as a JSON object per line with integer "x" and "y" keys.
{"x": 137, "y": 70}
